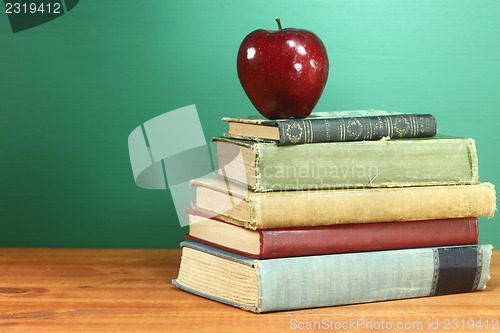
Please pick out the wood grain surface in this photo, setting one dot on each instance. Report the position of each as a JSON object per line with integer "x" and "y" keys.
{"x": 77, "y": 290}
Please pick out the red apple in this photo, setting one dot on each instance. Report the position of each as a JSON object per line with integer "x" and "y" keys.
{"x": 283, "y": 72}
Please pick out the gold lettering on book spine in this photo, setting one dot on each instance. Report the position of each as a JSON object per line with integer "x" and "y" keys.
{"x": 389, "y": 127}
{"x": 370, "y": 130}
{"x": 354, "y": 129}
{"x": 294, "y": 132}
{"x": 436, "y": 272}
{"x": 414, "y": 128}
{"x": 380, "y": 125}
{"x": 327, "y": 129}
{"x": 304, "y": 128}
{"x": 341, "y": 130}
{"x": 401, "y": 126}
{"x": 312, "y": 131}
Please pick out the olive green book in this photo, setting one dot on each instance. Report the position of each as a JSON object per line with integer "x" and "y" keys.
{"x": 264, "y": 167}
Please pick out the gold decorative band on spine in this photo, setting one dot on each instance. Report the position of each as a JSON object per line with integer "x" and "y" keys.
{"x": 436, "y": 272}
{"x": 479, "y": 268}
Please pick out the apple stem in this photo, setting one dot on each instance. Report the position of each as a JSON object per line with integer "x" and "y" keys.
{"x": 279, "y": 23}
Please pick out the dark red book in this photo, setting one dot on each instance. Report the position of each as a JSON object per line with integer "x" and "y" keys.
{"x": 340, "y": 238}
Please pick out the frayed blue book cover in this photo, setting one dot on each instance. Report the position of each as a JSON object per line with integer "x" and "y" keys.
{"x": 331, "y": 280}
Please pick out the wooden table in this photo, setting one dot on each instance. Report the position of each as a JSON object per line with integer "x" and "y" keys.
{"x": 73, "y": 290}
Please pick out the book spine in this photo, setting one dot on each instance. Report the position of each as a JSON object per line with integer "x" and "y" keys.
{"x": 370, "y": 276}
{"x": 310, "y": 208}
{"x": 404, "y": 162}
{"x": 291, "y": 242}
{"x": 297, "y": 131}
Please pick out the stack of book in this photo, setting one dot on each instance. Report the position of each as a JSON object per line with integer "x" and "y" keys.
{"x": 338, "y": 208}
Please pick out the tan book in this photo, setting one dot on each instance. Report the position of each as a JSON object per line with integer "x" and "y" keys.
{"x": 241, "y": 206}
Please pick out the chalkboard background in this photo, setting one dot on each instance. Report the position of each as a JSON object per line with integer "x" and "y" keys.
{"x": 72, "y": 89}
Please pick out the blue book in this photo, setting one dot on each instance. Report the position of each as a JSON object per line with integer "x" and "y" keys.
{"x": 330, "y": 280}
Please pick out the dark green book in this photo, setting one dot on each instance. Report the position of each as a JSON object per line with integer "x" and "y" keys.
{"x": 333, "y": 126}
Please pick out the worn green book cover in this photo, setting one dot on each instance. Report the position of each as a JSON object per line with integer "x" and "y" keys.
{"x": 440, "y": 160}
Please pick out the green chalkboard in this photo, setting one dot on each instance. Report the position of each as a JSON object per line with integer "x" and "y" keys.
{"x": 73, "y": 89}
